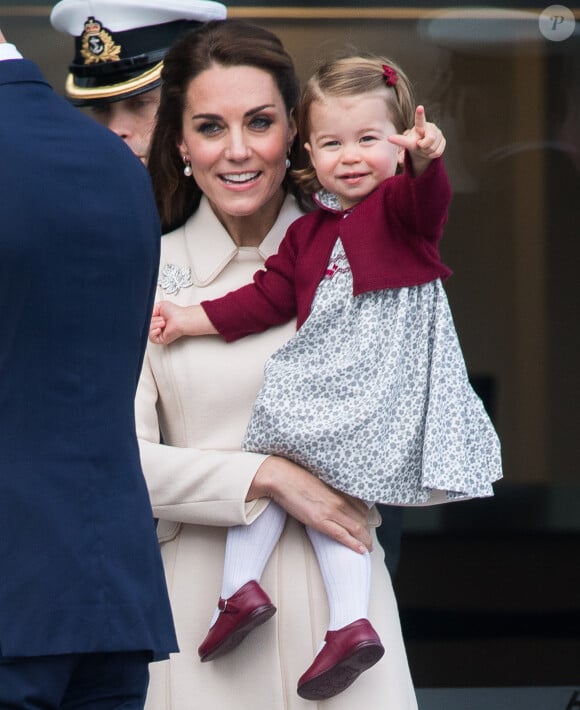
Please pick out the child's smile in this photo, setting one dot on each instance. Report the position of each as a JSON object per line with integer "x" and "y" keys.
{"x": 349, "y": 147}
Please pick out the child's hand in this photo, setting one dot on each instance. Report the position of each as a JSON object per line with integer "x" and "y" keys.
{"x": 157, "y": 326}
{"x": 170, "y": 321}
{"x": 166, "y": 323}
{"x": 424, "y": 141}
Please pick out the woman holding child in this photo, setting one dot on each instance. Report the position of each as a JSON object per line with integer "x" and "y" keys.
{"x": 219, "y": 163}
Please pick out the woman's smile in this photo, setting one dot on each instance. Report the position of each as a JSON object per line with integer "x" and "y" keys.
{"x": 237, "y": 134}
{"x": 241, "y": 179}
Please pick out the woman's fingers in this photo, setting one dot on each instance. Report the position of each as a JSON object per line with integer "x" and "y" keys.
{"x": 313, "y": 503}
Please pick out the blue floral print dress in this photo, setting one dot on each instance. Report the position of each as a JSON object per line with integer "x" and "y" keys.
{"x": 372, "y": 396}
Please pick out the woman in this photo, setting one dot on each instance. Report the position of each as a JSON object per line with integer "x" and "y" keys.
{"x": 218, "y": 163}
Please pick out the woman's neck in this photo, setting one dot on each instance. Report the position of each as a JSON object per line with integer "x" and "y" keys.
{"x": 250, "y": 230}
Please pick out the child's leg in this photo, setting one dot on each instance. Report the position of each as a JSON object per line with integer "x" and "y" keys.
{"x": 351, "y": 645}
{"x": 248, "y": 549}
{"x": 347, "y": 579}
{"x": 244, "y": 605}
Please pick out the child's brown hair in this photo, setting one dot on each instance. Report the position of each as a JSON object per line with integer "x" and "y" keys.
{"x": 350, "y": 76}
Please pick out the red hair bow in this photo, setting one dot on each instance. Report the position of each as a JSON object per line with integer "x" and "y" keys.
{"x": 390, "y": 75}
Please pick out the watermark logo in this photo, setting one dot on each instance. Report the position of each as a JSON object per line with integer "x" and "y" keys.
{"x": 557, "y": 23}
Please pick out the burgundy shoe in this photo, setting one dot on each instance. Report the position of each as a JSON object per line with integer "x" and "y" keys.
{"x": 346, "y": 654}
{"x": 249, "y": 607}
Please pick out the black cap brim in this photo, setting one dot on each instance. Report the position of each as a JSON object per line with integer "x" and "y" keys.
{"x": 87, "y": 91}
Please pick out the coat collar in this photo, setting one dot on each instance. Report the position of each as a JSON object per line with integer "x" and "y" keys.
{"x": 210, "y": 248}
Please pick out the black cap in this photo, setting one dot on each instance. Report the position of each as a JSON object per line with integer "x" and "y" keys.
{"x": 120, "y": 44}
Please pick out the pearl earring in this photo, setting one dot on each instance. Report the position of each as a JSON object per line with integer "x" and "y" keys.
{"x": 288, "y": 163}
{"x": 187, "y": 171}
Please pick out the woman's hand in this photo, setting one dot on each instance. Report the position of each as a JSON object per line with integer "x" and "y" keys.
{"x": 313, "y": 503}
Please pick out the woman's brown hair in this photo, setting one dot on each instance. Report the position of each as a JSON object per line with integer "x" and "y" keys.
{"x": 228, "y": 43}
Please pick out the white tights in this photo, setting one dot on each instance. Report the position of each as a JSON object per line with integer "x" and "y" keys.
{"x": 346, "y": 574}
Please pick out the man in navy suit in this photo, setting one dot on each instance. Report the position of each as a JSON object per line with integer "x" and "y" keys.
{"x": 83, "y": 603}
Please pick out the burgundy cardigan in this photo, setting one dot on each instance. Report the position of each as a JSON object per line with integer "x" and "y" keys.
{"x": 390, "y": 239}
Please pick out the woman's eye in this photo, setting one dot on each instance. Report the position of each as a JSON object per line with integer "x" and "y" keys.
{"x": 209, "y": 128}
{"x": 260, "y": 122}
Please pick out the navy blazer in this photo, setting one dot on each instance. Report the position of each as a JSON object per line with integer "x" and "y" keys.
{"x": 80, "y": 568}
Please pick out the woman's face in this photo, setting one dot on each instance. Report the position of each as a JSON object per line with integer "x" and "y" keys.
{"x": 237, "y": 135}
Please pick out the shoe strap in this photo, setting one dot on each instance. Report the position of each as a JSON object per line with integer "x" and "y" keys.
{"x": 226, "y": 607}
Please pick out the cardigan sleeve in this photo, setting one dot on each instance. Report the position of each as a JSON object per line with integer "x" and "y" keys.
{"x": 269, "y": 300}
{"x": 422, "y": 202}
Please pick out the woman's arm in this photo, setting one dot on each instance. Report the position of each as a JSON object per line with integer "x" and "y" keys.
{"x": 312, "y": 502}
{"x": 187, "y": 484}
{"x": 225, "y": 488}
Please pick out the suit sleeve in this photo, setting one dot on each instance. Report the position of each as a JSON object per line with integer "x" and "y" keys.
{"x": 269, "y": 300}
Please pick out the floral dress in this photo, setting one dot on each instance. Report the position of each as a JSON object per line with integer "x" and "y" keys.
{"x": 372, "y": 396}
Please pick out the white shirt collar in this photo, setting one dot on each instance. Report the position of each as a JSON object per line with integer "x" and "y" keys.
{"x": 9, "y": 51}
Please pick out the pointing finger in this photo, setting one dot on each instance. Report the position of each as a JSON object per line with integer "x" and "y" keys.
{"x": 420, "y": 120}
{"x": 401, "y": 140}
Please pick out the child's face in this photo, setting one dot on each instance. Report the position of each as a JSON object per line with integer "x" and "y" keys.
{"x": 348, "y": 145}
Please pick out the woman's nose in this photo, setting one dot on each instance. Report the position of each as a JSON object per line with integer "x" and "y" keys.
{"x": 237, "y": 147}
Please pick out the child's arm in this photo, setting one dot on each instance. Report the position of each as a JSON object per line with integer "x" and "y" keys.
{"x": 270, "y": 299}
{"x": 170, "y": 321}
{"x": 424, "y": 142}
{"x": 421, "y": 194}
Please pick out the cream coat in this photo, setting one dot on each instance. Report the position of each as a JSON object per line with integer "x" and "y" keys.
{"x": 198, "y": 392}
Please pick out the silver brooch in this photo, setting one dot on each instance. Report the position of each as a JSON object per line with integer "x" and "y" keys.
{"x": 174, "y": 277}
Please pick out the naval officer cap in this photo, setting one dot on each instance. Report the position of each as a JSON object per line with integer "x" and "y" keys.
{"x": 120, "y": 44}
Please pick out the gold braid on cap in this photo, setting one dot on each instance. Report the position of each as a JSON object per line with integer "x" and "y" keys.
{"x": 108, "y": 91}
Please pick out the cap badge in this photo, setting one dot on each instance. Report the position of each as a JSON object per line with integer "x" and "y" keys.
{"x": 97, "y": 44}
